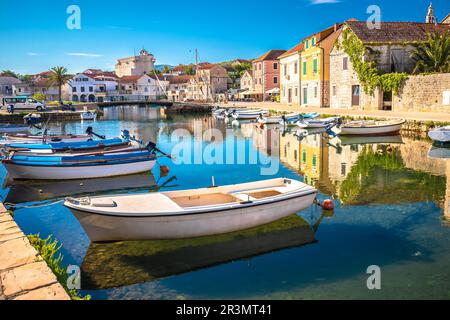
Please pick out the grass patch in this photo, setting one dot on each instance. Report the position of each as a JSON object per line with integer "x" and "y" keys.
{"x": 49, "y": 249}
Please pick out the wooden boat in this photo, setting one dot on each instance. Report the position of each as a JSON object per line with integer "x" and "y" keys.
{"x": 278, "y": 119}
{"x": 27, "y": 138}
{"x": 372, "y": 127}
{"x": 440, "y": 136}
{"x": 13, "y": 128}
{"x": 190, "y": 213}
{"x": 248, "y": 114}
{"x": 79, "y": 165}
{"x": 317, "y": 123}
{"x": 88, "y": 115}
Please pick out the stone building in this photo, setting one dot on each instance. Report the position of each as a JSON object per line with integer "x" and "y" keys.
{"x": 178, "y": 88}
{"x": 390, "y": 48}
{"x": 210, "y": 81}
{"x": 137, "y": 65}
{"x": 246, "y": 86}
{"x": 266, "y": 74}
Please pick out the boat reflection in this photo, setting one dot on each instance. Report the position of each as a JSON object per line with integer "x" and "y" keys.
{"x": 111, "y": 265}
{"x": 29, "y": 191}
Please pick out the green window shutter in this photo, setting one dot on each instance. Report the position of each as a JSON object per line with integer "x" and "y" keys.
{"x": 307, "y": 44}
{"x": 315, "y": 65}
{"x": 304, "y": 68}
{"x": 313, "y": 42}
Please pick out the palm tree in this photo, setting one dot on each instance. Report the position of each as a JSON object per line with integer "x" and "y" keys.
{"x": 9, "y": 73}
{"x": 59, "y": 77}
{"x": 434, "y": 54}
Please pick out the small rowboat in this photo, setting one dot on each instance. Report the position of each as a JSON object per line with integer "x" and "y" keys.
{"x": 13, "y": 128}
{"x": 190, "y": 213}
{"x": 79, "y": 165}
{"x": 27, "y": 138}
{"x": 278, "y": 119}
{"x": 372, "y": 127}
{"x": 440, "y": 136}
{"x": 88, "y": 115}
{"x": 248, "y": 114}
{"x": 317, "y": 123}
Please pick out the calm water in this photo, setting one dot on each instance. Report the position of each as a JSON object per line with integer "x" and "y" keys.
{"x": 391, "y": 203}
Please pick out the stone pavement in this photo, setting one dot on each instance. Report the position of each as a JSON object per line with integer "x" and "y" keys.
{"x": 24, "y": 275}
{"x": 418, "y": 116}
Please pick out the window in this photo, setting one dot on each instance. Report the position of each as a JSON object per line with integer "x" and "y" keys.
{"x": 334, "y": 90}
{"x": 315, "y": 92}
{"x": 295, "y": 68}
{"x": 82, "y": 89}
{"x": 275, "y": 65}
{"x": 74, "y": 89}
{"x": 345, "y": 63}
{"x": 313, "y": 42}
{"x": 275, "y": 80}
{"x": 91, "y": 89}
{"x": 315, "y": 65}
{"x": 307, "y": 44}
{"x": 343, "y": 168}
{"x": 304, "y": 68}
{"x": 285, "y": 69}
{"x": 295, "y": 155}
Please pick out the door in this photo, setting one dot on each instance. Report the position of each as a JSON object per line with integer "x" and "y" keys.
{"x": 289, "y": 95}
{"x": 356, "y": 90}
{"x": 305, "y": 95}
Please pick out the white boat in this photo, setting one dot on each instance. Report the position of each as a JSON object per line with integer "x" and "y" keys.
{"x": 27, "y": 138}
{"x": 190, "y": 213}
{"x": 88, "y": 115}
{"x": 278, "y": 119}
{"x": 440, "y": 135}
{"x": 372, "y": 127}
{"x": 317, "y": 123}
{"x": 13, "y": 128}
{"x": 79, "y": 166}
{"x": 248, "y": 114}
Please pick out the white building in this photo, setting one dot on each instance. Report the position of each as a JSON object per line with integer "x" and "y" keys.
{"x": 139, "y": 65}
{"x": 93, "y": 86}
{"x": 142, "y": 88}
{"x": 6, "y": 85}
{"x": 290, "y": 76}
{"x": 178, "y": 87}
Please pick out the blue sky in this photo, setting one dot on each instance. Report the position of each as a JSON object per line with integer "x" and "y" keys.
{"x": 34, "y": 36}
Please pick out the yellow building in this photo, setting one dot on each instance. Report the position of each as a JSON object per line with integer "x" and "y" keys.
{"x": 315, "y": 67}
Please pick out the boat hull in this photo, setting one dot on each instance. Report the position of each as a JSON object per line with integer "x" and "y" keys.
{"x": 102, "y": 228}
{"x": 33, "y": 172}
{"x": 380, "y": 130}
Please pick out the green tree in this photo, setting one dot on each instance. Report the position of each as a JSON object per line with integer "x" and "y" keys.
{"x": 166, "y": 69}
{"x": 241, "y": 68}
{"x": 189, "y": 70}
{"x": 9, "y": 73}
{"x": 59, "y": 77}
{"x": 433, "y": 55}
{"x": 39, "y": 96}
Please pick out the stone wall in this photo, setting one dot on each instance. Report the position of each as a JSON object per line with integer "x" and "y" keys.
{"x": 423, "y": 93}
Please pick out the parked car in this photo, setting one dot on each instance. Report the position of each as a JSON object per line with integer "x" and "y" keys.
{"x": 17, "y": 103}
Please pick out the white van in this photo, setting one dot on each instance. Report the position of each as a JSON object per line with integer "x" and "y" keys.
{"x": 23, "y": 103}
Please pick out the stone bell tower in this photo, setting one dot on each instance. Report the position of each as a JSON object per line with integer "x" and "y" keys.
{"x": 431, "y": 18}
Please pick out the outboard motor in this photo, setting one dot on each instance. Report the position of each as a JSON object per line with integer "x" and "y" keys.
{"x": 91, "y": 132}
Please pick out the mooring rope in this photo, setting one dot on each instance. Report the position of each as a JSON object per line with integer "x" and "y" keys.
{"x": 37, "y": 205}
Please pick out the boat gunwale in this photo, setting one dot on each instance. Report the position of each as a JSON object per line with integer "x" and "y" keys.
{"x": 218, "y": 208}
{"x": 345, "y": 126}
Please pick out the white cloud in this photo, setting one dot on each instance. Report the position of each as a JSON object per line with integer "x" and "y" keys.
{"x": 324, "y": 1}
{"x": 32, "y": 54}
{"x": 82, "y": 54}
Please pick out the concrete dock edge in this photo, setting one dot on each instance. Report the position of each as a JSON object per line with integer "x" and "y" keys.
{"x": 24, "y": 275}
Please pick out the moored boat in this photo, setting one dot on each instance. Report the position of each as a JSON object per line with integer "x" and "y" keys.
{"x": 440, "y": 136}
{"x": 278, "y": 119}
{"x": 190, "y": 213}
{"x": 248, "y": 114}
{"x": 28, "y": 138}
{"x": 317, "y": 123}
{"x": 372, "y": 127}
{"x": 88, "y": 115}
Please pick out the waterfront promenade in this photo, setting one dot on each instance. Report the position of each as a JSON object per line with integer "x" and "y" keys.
{"x": 418, "y": 116}
{"x": 24, "y": 275}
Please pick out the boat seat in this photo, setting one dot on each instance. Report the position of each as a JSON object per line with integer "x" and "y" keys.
{"x": 243, "y": 197}
{"x": 103, "y": 202}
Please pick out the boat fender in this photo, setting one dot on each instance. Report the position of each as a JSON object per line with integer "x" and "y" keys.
{"x": 327, "y": 204}
{"x": 164, "y": 170}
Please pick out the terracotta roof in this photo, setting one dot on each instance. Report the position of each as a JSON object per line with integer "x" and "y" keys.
{"x": 321, "y": 35}
{"x": 295, "y": 49}
{"x": 395, "y": 32}
{"x": 270, "y": 55}
{"x": 129, "y": 79}
{"x": 180, "y": 79}
{"x": 179, "y": 68}
{"x": 206, "y": 66}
